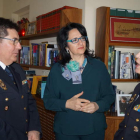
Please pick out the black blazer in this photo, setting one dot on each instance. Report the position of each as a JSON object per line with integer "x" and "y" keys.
{"x": 129, "y": 128}
{"x": 18, "y": 111}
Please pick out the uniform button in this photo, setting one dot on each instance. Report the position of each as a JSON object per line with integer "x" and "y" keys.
{"x": 26, "y": 132}
{"x": 28, "y": 90}
{"x": 125, "y": 108}
{"x": 6, "y": 99}
{"x": 137, "y": 120}
{"x": 22, "y": 97}
{"x": 127, "y": 114}
{"x": 136, "y": 129}
{"x": 26, "y": 120}
{"x": 122, "y": 138}
{"x": 6, "y": 108}
{"x": 24, "y": 108}
{"x": 125, "y": 126}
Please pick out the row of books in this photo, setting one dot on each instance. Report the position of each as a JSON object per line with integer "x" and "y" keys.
{"x": 51, "y": 20}
{"x": 37, "y": 85}
{"x": 121, "y": 65}
{"x": 39, "y": 54}
{"x": 124, "y": 12}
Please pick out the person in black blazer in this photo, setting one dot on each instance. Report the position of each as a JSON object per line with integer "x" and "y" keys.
{"x": 129, "y": 128}
{"x": 19, "y": 118}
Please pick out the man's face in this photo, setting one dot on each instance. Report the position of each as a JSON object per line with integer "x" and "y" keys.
{"x": 8, "y": 50}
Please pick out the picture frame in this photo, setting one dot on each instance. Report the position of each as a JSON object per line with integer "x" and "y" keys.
{"x": 122, "y": 101}
{"x": 31, "y": 28}
{"x": 124, "y": 29}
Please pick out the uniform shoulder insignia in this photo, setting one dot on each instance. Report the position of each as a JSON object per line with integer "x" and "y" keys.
{"x": 24, "y": 82}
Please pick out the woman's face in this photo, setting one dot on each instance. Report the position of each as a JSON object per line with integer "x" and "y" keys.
{"x": 78, "y": 48}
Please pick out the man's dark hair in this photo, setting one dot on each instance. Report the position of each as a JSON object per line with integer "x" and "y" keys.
{"x": 62, "y": 38}
{"x": 7, "y": 24}
{"x": 124, "y": 98}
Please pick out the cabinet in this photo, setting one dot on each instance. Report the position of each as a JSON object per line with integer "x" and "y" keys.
{"x": 67, "y": 15}
{"x": 113, "y": 122}
{"x": 47, "y": 119}
{"x": 103, "y": 39}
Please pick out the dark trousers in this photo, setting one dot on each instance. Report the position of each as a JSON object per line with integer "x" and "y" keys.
{"x": 97, "y": 135}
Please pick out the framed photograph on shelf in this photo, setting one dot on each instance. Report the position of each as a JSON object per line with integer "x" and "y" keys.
{"x": 124, "y": 29}
{"x": 31, "y": 28}
{"x": 122, "y": 102}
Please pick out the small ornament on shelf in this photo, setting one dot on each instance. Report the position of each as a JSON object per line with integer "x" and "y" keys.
{"x": 23, "y": 24}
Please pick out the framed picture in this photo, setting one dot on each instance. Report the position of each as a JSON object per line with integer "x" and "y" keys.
{"x": 122, "y": 102}
{"x": 124, "y": 29}
{"x": 31, "y": 28}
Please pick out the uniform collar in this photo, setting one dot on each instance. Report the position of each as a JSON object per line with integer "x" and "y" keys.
{"x": 2, "y": 65}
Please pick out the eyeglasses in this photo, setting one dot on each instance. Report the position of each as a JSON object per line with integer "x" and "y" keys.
{"x": 76, "y": 40}
{"x": 15, "y": 40}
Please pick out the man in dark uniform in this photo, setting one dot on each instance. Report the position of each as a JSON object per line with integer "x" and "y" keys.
{"x": 129, "y": 128}
{"x": 19, "y": 119}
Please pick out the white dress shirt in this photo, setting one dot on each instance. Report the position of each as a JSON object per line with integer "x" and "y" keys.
{"x": 2, "y": 65}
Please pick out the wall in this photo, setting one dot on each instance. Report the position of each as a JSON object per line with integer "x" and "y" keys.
{"x": 38, "y": 7}
{"x": 1, "y": 8}
{"x": 90, "y": 24}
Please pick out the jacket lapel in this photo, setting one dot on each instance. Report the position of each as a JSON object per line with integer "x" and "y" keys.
{"x": 7, "y": 79}
{"x": 17, "y": 78}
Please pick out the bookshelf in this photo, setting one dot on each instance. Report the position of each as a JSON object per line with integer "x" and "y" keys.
{"x": 47, "y": 34}
{"x": 66, "y": 16}
{"x": 103, "y": 39}
{"x": 36, "y": 67}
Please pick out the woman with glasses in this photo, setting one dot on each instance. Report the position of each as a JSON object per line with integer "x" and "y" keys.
{"x": 78, "y": 88}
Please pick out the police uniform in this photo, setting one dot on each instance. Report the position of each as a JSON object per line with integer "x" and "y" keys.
{"x": 129, "y": 128}
{"x": 18, "y": 112}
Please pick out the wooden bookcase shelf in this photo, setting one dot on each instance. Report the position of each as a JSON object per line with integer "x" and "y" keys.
{"x": 125, "y": 80}
{"x": 103, "y": 42}
{"x": 47, "y": 34}
{"x": 67, "y": 15}
{"x": 36, "y": 67}
{"x": 128, "y": 45}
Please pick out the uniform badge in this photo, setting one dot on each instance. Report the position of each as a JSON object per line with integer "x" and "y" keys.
{"x": 137, "y": 108}
{"x": 136, "y": 129}
{"x": 2, "y": 85}
{"x": 132, "y": 98}
{"x": 24, "y": 82}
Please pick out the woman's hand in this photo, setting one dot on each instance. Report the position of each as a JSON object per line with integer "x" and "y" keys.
{"x": 76, "y": 103}
{"x": 90, "y": 108}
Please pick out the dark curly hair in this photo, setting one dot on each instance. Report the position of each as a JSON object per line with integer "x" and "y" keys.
{"x": 62, "y": 38}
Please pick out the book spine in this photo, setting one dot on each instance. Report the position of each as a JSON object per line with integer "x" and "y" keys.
{"x": 117, "y": 65}
{"x": 112, "y": 62}
{"x": 109, "y": 60}
{"x": 34, "y": 55}
{"x": 121, "y": 65}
